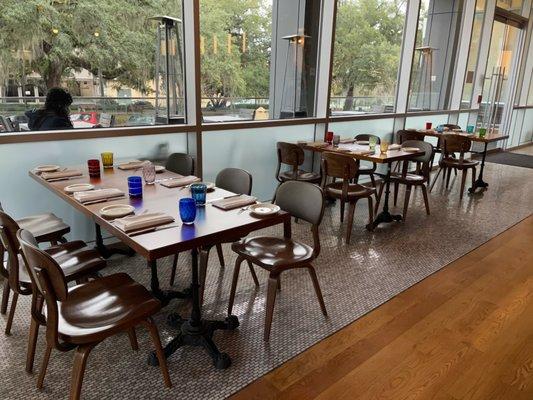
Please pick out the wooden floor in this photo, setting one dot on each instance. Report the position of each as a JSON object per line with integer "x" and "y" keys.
{"x": 465, "y": 332}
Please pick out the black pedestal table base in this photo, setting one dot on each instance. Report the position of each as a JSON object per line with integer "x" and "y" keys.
{"x": 479, "y": 182}
{"x": 107, "y": 251}
{"x": 385, "y": 216}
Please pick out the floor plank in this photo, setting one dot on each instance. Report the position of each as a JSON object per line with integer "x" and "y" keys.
{"x": 465, "y": 332}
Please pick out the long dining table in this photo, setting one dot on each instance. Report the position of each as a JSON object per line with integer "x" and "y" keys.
{"x": 360, "y": 152}
{"x": 212, "y": 226}
{"x": 491, "y": 137}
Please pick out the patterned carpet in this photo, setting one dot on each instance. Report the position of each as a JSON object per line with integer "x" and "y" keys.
{"x": 355, "y": 279}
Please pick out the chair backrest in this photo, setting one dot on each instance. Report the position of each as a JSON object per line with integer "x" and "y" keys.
{"x": 366, "y": 136}
{"x": 180, "y": 163}
{"x": 305, "y": 201}
{"x": 338, "y": 165}
{"x": 235, "y": 180}
{"x": 404, "y": 135}
{"x": 453, "y": 143}
{"x": 424, "y": 146}
{"x": 47, "y": 279}
{"x": 9, "y": 243}
{"x": 290, "y": 154}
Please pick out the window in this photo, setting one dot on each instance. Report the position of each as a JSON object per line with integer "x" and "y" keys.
{"x": 258, "y": 59}
{"x": 368, "y": 39}
{"x": 109, "y": 55}
{"x": 435, "y": 50}
{"x": 473, "y": 54}
{"x": 511, "y": 5}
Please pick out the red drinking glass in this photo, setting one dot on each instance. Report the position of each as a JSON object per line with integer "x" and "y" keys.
{"x": 428, "y": 125}
{"x": 94, "y": 168}
{"x": 329, "y": 137}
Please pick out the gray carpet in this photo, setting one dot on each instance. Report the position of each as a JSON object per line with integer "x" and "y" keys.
{"x": 507, "y": 158}
{"x": 355, "y": 279}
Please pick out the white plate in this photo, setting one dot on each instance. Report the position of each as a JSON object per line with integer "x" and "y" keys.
{"x": 264, "y": 209}
{"x": 159, "y": 169}
{"x": 210, "y": 185}
{"x": 78, "y": 187}
{"x": 116, "y": 210}
{"x": 47, "y": 168}
{"x": 411, "y": 149}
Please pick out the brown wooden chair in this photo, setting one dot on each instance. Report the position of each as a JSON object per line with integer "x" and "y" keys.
{"x": 419, "y": 178}
{"x": 406, "y": 134}
{"x": 276, "y": 255}
{"x": 451, "y": 144}
{"x": 342, "y": 166}
{"x": 180, "y": 163}
{"x": 82, "y": 316}
{"x": 292, "y": 155}
{"x": 76, "y": 259}
{"x": 364, "y": 169}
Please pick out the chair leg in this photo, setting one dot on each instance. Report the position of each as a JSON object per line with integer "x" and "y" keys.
{"x": 396, "y": 190}
{"x": 342, "y": 211}
{"x": 32, "y": 338}
{"x": 406, "y": 200}
{"x": 378, "y": 198}
{"x": 463, "y": 181}
{"x": 220, "y": 255}
{"x": 316, "y": 285}
{"x": 236, "y": 271}
{"x": 473, "y": 176}
{"x": 426, "y": 200}
{"x": 44, "y": 366}
{"x": 448, "y": 175}
{"x": 370, "y": 210}
{"x": 133, "y": 339}
{"x": 11, "y": 313}
{"x": 174, "y": 267}
{"x": 435, "y": 179}
{"x": 154, "y": 333}
{"x": 271, "y": 300}
{"x": 252, "y": 271}
{"x": 351, "y": 212}
{"x": 5, "y": 297}
{"x": 373, "y": 180}
{"x": 78, "y": 370}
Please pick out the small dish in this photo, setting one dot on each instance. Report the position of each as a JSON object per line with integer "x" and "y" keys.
{"x": 264, "y": 209}
{"x": 361, "y": 142}
{"x": 47, "y": 168}
{"x": 410, "y": 149}
{"x": 78, "y": 187}
{"x": 159, "y": 169}
{"x": 116, "y": 210}
{"x": 210, "y": 185}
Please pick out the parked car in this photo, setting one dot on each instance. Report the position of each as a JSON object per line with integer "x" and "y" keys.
{"x": 140, "y": 120}
{"x": 19, "y": 122}
{"x": 84, "y": 119}
{"x": 140, "y": 106}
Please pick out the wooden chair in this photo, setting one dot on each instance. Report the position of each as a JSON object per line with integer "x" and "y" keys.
{"x": 418, "y": 179}
{"x": 292, "y": 155}
{"x": 77, "y": 260}
{"x": 342, "y": 166}
{"x": 82, "y": 316}
{"x": 364, "y": 169}
{"x": 453, "y": 143}
{"x": 276, "y": 255}
{"x": 180, "y": 163}
{"x": 404, "y": 135}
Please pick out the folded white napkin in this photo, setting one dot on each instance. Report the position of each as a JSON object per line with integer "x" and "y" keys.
{"x": 394, "y": 146}
{"x": 134, "y": 164}
{"x": 137, "y": 222}
{"x": 362, "y": 152}
{"x": 318, "y": 144}
{"x": 177, "y": 182}
{"x": 69, "y": 173}
{"x": 344, "y": 141}
{"x": 234, "y": 202}
{"x": 98, "y": 194}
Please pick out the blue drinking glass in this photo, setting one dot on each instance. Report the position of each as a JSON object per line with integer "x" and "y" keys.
{"x": 187, "y": 210}
{"x": 470, "y": 129}
{"x": 135, "y": 186}
{"x": 198, "y": 192}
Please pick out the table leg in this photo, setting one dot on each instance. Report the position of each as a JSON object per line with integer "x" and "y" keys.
{"x": 385, "y": 215}
{"x": 164, "y": 295}
{"x": 195, "y": 331}
{"x": 480, "y": 183}
{"x": 106, "y": 251}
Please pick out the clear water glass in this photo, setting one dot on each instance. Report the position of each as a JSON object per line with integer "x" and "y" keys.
{"x": 149, "y": 173}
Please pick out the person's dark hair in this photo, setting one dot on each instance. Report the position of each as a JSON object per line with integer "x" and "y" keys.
{"x": 58, "y": 100}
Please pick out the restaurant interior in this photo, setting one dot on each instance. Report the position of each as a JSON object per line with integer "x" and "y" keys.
{"x": 266, "y": 199}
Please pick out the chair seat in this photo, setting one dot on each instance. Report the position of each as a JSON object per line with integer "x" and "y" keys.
{"x": 301, "y": 175}
{"x": 272, "y": 252}
{"x": 44, "y": 227}
{"x": 354, "y": 190}
{"x": 103, "y": 307}
{"x": 457, "y": 163}
{"x": 409, "y": 178}
{"x": 75, "y": 259}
